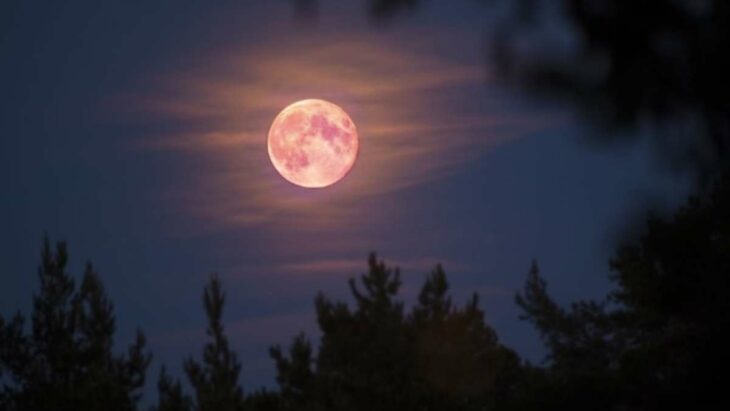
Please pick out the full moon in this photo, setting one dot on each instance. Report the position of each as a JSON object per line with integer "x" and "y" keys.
{"x": 313, "y": 143}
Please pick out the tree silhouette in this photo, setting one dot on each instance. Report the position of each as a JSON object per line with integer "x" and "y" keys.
{"x": 264, "y": 400}
{"x": 67, "y": 362}
{"x": 215, "y": 380}
{"x": 581, "y": 345}
{"x": 630, "y": 63}
{"x": 170, "y": 394}
{"x": 659, "y": 340}
{"x": 295, "y": 376}
{"x": 457, "y": 353}
{"x": 375, "y": 356}
{"x": 363, "y": 354}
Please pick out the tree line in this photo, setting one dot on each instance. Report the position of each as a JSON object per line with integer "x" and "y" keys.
{"x": 658, "y": 340}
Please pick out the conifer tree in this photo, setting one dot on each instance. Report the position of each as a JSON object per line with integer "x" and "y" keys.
{"x": 67, "y": 361}
{"x": 170, "y": 394}
{"x": 375, "y": 356}
{"x": 659, "y": 340}
{"x": 215, "y": 379}
{"x": 295, "y": 375}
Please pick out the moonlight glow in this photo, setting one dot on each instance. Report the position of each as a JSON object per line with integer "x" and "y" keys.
{"x": 313, "y": 143}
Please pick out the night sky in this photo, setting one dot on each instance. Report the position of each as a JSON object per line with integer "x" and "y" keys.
{"x": 137, "y": 134}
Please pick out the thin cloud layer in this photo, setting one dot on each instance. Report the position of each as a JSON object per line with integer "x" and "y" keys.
{"x": 406, "y": 105}
{"x": 343, "y": 267}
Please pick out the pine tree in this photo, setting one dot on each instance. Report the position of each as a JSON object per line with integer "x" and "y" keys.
{"x": 170, "y": 394}
{"x": 457, "y": 356}
{"x": 374, "y": 356}
{"x": 295, "y": 375}
{"x": 67, "y": 361}
{"x": 659, "y": 340}
{"x": 215, "y": 380}
{"x": 363, "y": 354}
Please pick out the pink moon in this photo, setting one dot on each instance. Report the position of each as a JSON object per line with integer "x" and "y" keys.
{"x": 313, "y": 143}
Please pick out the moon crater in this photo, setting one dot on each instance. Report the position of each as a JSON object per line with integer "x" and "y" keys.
{"x": 313, "y": 143}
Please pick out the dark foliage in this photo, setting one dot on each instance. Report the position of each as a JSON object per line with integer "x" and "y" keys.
{"x": 66, "y": 361}
{"x": 385, "y": 8}
{"x": 295, "y": 375}
{"x": 624, "y": 63}
{"x": 264, "y": 400}
{"x": 659, "y": 61}
{"x": 375, "y": 356}
{"x": 660, "y": 339}
{"x": 215, "y": 380}
{"x": 170, "y": 394}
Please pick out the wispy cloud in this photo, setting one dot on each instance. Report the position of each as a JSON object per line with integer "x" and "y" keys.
{"x": 350, "y": 267}
{"x": 407, "y": 105}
